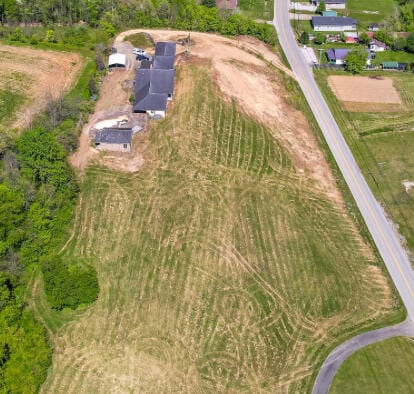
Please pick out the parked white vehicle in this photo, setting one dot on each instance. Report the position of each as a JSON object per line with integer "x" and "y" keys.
{"x": 138, "y": 51}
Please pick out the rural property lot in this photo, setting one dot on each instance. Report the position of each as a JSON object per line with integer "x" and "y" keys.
{"x": 30, "y": 78}
{"x": 366, "y": 94}
{"x": 228, "y": 261}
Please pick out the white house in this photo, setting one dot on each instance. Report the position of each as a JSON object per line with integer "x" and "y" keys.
{"x": 377, "y": 46}
{"x": 333, "y": 23}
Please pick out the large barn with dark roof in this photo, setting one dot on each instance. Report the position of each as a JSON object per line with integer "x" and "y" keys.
{"x": 154, "y": 81}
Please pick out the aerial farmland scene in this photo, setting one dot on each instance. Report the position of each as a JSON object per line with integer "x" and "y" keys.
{"x": 205, "y": 196}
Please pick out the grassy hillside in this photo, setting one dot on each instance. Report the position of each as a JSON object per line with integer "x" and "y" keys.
{"x": 384, "y": 367}
{"x": 219, "y": 270}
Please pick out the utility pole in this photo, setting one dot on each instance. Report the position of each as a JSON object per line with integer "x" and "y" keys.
{"x": 188, "y": 43}
{"x": 320, "y": 56}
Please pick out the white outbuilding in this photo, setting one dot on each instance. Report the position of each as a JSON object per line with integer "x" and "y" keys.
{"x": 117, "y": 60}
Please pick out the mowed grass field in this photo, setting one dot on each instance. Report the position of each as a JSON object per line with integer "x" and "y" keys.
{"x": 219, "y": 270}
{"x": 384, "y": 367}
{"x": 257, "y": 9}
{"x": 369, "y": 11}
{"x": 25, "y": 89}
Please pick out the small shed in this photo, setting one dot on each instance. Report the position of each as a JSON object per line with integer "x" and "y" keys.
{"x": 116, "y": 140}
{"x": 390, "y": 65}
{"x": 117, "y": 60}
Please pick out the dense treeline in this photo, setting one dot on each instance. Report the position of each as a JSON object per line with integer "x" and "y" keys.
{"x": 24, "y": 351}
{"x": 38, "y": 192}
{"x": 115, "y": 15}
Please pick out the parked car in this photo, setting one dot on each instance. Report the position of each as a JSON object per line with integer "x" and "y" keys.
{"x": 138, "y": 51}
{"x": 142, "y": 57}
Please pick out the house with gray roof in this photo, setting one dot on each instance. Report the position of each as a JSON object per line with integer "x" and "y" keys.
{"x": 112, "y": 139}
{"x": 334, "y": 23}
{"x": 337, "y": 55}
{"x": 154, "y": 81}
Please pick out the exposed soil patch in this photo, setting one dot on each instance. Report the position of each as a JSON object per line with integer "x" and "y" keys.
{"x": 241, "y": 68}
{"x": 47, "y": 74}
{"x": 377, "y": 95}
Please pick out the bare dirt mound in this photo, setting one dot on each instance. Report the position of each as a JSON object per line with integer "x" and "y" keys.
{"x": 43, "y": 75}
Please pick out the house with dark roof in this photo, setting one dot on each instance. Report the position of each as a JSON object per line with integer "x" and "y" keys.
{"x": 165, "y": 49}
{"x": 337, "y": 55}
{"x": 373, "y": 27}
{"x": 118, "y": 140}
{"x": 154, "y": 81}
{"x": 226, "y": 4}
{"x": 333, "y": 23}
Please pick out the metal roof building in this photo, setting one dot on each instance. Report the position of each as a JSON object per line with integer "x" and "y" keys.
{"x": 117, "y": 60}
{"x": 333, "y": 23}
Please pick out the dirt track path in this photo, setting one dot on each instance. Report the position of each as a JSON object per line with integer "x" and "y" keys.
{"x": 211, "y": 45}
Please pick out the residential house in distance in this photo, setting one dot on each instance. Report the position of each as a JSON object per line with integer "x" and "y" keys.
{"x": 118, "y": 140}
{"x": 337, "y": 4}
{"x": 373, "y": 27}
{"x": 334, "y": 23}
{"x": 227, "y": 4}
{"x": 337, "y": 56}
{"x": 377, "y": 46}
{"x": 154, "y": 81}
{"x": 351, "y": 37}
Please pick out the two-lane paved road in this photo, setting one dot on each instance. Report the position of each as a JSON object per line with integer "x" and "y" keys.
{"x": 383, "y": 233}
{"x": 386, "y": 239}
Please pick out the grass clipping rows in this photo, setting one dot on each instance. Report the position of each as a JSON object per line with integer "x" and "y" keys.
{"x": 218, "y": 269}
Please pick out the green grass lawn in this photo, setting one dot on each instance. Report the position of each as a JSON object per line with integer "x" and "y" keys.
{"x": 257, "y": 9}
{"x": 140, "y": 40}
{"x": 221, "y": 269}
{"x": 397, "y": 56}
{"x": 382, "y": 144}
{"x": 382, "y": 368}
{"x": 379, "y": 10}
{"x": 9, "y": 102}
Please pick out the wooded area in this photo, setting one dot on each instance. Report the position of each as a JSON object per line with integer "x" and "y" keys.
{"x": 38, "y": 193}
{"x": 114, "y": 15}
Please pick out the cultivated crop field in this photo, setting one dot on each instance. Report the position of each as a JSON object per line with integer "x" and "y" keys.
{"x": 29, "y": 79}
{"x": 366, "y": 94}
{"x": 221, "y": 268}
{"x": 384, "y": 367}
